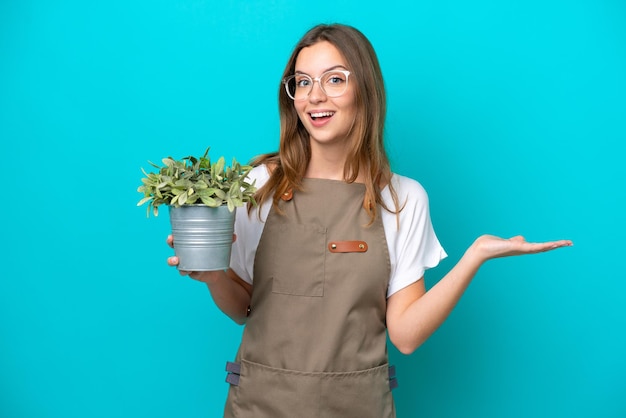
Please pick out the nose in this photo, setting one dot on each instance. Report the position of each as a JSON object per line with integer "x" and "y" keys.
{"x": 316, "y": 94}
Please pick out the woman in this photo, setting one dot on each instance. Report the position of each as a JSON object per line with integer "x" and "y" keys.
{"x": 336, "y": 254}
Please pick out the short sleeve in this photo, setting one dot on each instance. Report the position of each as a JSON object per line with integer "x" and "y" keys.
{"x": 248, "y": 229}
{"x": 411, "y": 239}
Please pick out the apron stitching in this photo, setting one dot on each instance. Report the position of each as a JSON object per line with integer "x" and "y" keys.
{"x": 351, "y": 373}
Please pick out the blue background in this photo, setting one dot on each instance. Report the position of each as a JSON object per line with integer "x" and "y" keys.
{"x": 511, "y": 114}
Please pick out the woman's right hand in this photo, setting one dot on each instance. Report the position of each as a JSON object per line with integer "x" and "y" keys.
{"x": 208, "y": 277}
{"x": 230, "y": 293}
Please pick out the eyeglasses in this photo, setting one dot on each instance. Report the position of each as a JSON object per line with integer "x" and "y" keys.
{"x": 332, "y": 83}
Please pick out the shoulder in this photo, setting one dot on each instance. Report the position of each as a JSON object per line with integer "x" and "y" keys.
{"x": 406, "y": 183}
{"x": 409, "y": 191}
{"x": 259, "y": 174}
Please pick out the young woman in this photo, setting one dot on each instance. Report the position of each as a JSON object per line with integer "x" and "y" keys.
{"x": 335, "y": 256}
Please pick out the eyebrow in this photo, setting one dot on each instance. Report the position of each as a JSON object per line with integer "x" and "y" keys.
{"x": 326, "y": 70}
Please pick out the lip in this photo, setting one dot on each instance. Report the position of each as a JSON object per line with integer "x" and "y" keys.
{"x": 320, "y": 122}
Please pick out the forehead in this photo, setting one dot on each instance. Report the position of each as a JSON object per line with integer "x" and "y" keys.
{"x": 319, "y": 57}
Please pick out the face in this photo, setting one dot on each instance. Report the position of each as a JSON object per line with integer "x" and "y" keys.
{"x": 328, "y": 120}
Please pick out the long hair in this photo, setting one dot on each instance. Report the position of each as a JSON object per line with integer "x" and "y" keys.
{"x": 366, "y": 152}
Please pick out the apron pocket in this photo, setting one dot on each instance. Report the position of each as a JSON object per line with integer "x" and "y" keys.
{"x": 360, "y": 394}
{"x": 298, "y": 267}
{"x": 267, "y": 392}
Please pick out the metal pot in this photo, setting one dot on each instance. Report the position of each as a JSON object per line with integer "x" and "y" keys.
{"x": 203, "y": 236}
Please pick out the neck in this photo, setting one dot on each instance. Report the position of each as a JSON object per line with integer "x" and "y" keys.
{"x": 328, "y": 162}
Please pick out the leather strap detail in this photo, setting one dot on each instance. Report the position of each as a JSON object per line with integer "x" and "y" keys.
{"x": 288, "y": 195}
{"x": 347, "y": 246}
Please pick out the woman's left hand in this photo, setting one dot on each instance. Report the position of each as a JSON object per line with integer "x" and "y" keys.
{"x": 489, "y": 246}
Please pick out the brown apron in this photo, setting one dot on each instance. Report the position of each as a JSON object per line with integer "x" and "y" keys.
{"x": 315, "y": 342}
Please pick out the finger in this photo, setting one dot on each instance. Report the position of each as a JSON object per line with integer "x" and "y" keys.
{"x": 543, "y": 247}
{"x": 170, "y": 240}
{"x": 549, "y": 246}
{"x": 561, "y": 243}
{"x": 172, "y": 261}
{"x": 234, "y": 237}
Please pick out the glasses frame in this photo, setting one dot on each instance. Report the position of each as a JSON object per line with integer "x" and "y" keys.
{"x": 286, "y": 81}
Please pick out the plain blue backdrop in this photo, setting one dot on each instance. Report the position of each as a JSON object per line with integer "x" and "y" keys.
{"x": 511, "y": 114}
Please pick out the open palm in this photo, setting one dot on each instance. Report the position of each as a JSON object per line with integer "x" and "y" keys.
{"x": 491, "y": 246}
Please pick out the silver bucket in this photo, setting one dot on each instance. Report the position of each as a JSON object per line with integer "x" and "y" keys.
{"x": 203, "y": 236}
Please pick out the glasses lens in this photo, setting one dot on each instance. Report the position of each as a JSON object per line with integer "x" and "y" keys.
{"x": 334, "y": 83}
{"x": 298, "y": 86}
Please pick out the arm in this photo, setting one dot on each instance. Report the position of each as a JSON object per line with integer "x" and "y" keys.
{"x": 230, "y": 293}
{"x": 414, "y": 314}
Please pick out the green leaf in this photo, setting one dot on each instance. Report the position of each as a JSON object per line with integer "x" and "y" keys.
{"x": 219, "y": 193}
{"x": 209, "y": 201}
{"x": 201, "y": 185}
{"x": 144, "y": 200}
{"x": 219, "y": 166}
{"x": 192, "y": 179}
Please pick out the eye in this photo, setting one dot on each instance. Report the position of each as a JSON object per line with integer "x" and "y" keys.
{"x": 335, "y": 79}
{"x": 302, "y": 81}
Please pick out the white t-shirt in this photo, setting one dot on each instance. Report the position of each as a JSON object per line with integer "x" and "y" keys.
{"x": 413, "y": 245}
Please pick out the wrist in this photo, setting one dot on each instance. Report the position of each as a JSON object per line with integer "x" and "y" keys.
{"x": 210, "y": 277}
{"x": 476, "y": 254}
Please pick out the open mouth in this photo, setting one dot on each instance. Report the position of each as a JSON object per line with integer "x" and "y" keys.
{"x": 321, "y": 115}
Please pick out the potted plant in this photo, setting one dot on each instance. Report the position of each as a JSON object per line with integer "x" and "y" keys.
{"x": 202, "y": 197}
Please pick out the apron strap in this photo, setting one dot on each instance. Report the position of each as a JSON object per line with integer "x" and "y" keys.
{"x": 234, "y": 372}
{"x": 393, "y": 382}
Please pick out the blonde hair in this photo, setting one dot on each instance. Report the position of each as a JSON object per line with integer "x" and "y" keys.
{"x": 366, "y": 153}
